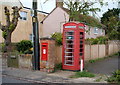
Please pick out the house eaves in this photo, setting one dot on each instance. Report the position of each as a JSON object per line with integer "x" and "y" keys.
{"x": 64, "y": 9}
{"x": 37, "y": 10}
{"x": 11, "y": 3}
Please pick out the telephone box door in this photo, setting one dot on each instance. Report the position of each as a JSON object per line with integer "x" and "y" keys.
{"x": 44, "y": 51}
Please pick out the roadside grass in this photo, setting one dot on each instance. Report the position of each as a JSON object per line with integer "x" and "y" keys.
{"x": 83, "y": 74}
{"x": 99, "y": 79}
{"x": 115, "y": 78}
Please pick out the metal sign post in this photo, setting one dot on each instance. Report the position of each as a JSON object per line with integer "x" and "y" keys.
{"x": 36, "y": 60}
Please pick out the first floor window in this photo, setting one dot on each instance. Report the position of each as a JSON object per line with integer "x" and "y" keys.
{"x": 23, "y": 15}
{"x": 95, "y": 30}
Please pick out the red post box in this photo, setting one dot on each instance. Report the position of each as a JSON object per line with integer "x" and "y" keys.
{"x": 73, "y": 46}
{"x": 44, "y": 51}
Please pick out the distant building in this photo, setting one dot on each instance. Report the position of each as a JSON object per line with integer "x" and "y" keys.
{"x": 24, "y": 27}
{"x": 55, "y": 20}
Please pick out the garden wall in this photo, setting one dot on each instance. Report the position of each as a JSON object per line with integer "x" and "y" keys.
{"x": 93, "y": 51}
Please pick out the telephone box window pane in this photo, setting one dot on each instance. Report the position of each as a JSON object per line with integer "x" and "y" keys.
{"x": 69, "y": 50}
{"x": 69, "y": 37}
{"x": 70, "y": 33}
{"x": 69, "y": 63}
{"x": 81, "y": 54}
{"x": 68, "y": 54}
{"x": 69, "y": 42}
{"x": 69, "y": 46}
{"x": 81, "y": 46}
{"x": 81, "y": 50}
{"x": 70, "y": 58}
{"x": 81, "y": 27}
{"x": 81, "y": 42}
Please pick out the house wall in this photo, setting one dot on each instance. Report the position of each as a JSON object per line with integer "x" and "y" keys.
{"x": 24, "y": 27}
{"x": 53, "y": 23}
{"x": 91, "y": 34}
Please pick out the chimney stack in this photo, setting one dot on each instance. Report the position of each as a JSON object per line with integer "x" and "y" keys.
{"x": 59, "y": 3}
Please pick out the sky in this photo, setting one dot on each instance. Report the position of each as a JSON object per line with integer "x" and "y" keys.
{"x": 50, "y": 5}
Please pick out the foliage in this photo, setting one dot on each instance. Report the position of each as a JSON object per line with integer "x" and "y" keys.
{"x": 98, "y": 40}
{"x": 82, "y": 74}
{"x": 111, "y": 20}
{"x": 10, "y": 26}
{"x": 58, "y": 38}
{"x": 28, "y": 51}
{"x": 24, "y": 46}
{"x": 92, "y": 61}
{"x": 2, "y": 45}
{"x": 115, "y": 77}
{"x": 80, "y": 10}
{"x": 4, "y": 34}
{"x": 57, "y": 67}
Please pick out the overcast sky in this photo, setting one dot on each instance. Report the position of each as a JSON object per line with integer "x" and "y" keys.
{"x": 50, "y": 5}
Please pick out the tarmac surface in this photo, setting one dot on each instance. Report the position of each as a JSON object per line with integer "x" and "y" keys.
{"x": 106, "y": 66}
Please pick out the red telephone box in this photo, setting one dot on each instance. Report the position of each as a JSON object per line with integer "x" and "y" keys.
{"x": 44, "y": 51}
{"x": 73, "y": 46}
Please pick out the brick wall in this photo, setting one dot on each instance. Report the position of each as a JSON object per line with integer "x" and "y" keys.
{"x": 50, "y": 63}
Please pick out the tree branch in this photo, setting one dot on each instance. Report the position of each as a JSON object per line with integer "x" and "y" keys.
{"x": 7, "y": 14}
{"x": 15, "y": 17}
{"x": 2, "y": 27}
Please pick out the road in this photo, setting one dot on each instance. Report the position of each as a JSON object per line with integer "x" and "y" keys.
{"x": 105, "y": 66}
{"x": 9, "y": 79}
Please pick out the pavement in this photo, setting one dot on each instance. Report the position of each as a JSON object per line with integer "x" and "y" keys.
{"x": 102, "y": 69}
{"x": 43, "y": 77}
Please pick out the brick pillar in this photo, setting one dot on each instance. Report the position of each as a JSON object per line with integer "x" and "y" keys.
{"x": 48, "y": 65}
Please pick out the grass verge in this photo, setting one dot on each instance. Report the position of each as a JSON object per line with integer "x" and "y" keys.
{"x": 82, "y": 74}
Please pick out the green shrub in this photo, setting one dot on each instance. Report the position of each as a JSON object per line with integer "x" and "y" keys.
{"x": 82, "y": 74}
{"x": 98, "y": 40}
{"x": 57, "y": 67}
{"x": 115, "y": 77}
{"x": 92, "y": 61}
{"x": 58, "y": 38}
{"x": 24, "y": 45}
{"x": 116, "y": 74}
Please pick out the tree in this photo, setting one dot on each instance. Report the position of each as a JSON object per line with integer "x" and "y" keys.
{"x": 9, "y": 27}
{"x": 111, "y": 20}
{"x": 80, "y": 10}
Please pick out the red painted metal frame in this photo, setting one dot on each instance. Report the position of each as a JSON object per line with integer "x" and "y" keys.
{"x": 44, "y": 57}
{"x": 76, "y": 64}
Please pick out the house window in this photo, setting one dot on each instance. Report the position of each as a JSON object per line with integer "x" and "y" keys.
{"x": 95, "y": 30}
{"x": 23, "y": 15}
{"x": 31, "y": 37}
